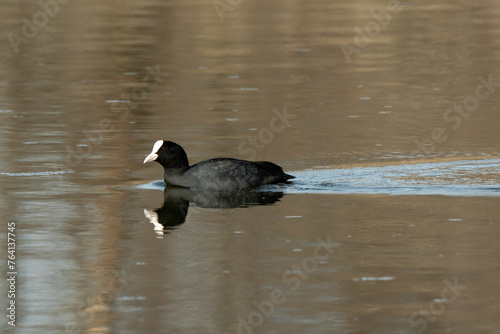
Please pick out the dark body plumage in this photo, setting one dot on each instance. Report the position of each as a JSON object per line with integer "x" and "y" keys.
{"x": 223, "y": 174}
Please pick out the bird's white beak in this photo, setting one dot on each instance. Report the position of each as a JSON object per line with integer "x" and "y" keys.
{"x": 154, "y": 153}
{"x": 151, "y": 157}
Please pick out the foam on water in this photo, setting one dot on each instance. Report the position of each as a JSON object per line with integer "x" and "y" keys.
{"x": 451, "y": 178}
{"x": 153, "y": 185}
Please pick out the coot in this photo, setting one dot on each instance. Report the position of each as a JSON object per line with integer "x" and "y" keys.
{"x": 223, "y": 174}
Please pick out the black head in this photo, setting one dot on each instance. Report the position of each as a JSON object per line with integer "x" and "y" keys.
{"x": 168, "y": 154}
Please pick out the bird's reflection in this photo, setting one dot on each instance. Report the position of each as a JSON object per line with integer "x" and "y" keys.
{"x": 176, "y": 204}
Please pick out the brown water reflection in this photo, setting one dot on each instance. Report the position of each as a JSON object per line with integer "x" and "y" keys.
{"x": 85, "y": 96}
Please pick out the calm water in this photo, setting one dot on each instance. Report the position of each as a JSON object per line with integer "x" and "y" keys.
{"x": 387, "y": 115}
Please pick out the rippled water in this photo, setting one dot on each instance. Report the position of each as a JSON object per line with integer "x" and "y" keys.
{"x": 455, "y": 178}
{"x": 388, "y": 118}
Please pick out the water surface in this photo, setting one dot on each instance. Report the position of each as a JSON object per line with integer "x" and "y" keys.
{"x": 390, "y": 226}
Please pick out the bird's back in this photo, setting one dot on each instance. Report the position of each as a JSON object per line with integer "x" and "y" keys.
{"x": 234, "y": 174}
